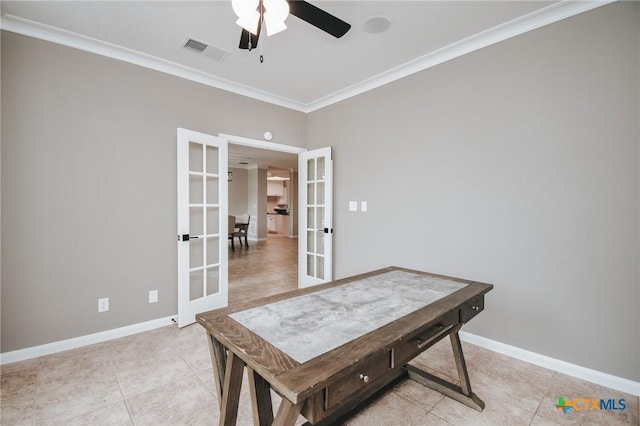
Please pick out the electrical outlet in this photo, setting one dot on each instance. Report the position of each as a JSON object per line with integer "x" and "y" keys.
{"x": 153, "y": 296}
{"x": 103, "y": 304}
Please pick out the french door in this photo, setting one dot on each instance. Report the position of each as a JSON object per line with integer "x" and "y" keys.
{"x": 315, "y": 239}
{"x": 202, "y": 224}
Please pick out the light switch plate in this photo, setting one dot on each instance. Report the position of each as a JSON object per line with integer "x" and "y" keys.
{"x": 353, "y": 206}
{"x": 363, "y": 206}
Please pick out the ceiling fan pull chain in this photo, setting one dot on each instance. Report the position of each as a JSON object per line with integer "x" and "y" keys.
{"x": 264, "y": 40}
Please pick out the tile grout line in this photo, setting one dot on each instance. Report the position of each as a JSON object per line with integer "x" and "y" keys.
{"x": 124, "y": 399}
{"x": 35, "y": 394}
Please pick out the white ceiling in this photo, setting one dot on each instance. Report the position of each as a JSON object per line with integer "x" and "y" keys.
{"x": 304, "y": 68}
{"x": 263, "y": 158}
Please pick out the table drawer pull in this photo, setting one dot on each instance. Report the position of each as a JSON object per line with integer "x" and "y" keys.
{"x": 421, "y": 341}
{"x": 365, "y": 374}
{"x": 407, "y": 349}
{"x": 471, "y": 309}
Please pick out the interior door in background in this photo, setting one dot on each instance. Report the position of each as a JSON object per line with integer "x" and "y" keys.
{"x": 202, "y": 224}
{"x": 315, "y": 239}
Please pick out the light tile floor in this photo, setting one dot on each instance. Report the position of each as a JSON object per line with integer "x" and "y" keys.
{"x": 164, "y": 377}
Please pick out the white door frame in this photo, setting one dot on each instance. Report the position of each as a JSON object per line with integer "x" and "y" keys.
{"x": 257, "y": 143}
{"x": 260, "y": 144}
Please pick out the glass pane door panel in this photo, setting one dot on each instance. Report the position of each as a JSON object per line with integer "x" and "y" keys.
{"x": 195, "y": 189}
{"x": 311, "y": 238}
{"x": 195, "y": 157}
{"x": 213, "y": 224}
{"x": 319, "y": 267}
{"x": 320, "y": 168}
{"x": 196, "y": 253}
{"x": 311, "y": 169}
{"x": 213, "y": 250}
{"x": 319, "y": 243}
{"x": 212, "y": 160}
{"x": 311, "y": 265}
{"x": 195, "y": 284}
{"x": 213, "y": 191}
{"x": 320, "y": 192}
{"x": 311, "y": 218}
{"x": 195, "y": 221}
{"x": 311, "y": 193}
{"x": 213, "y": 280}
{"x": 320, "y": 217}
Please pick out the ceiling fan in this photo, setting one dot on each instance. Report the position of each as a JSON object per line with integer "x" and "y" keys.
{"x": 303, "y": 10}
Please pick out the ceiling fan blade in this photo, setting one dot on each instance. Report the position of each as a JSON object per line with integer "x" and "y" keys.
{"x": 318, "y": 18}
{"x": 244, "y": 39}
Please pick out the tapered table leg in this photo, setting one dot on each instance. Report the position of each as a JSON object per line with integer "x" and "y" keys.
{"x": 231, "y": 391}
{"x": 460, "y": 393}
{"x": 260, "y": 399}
{"x": 287, "y": 413}
{"x": 219, "y": 361}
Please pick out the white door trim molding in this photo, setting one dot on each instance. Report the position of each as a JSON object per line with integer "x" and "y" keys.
{"x": 257, "y": 143}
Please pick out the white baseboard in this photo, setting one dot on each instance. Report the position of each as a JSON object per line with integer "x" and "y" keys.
{"x": 90, "y": 339}
{"x": 593, "y": 376}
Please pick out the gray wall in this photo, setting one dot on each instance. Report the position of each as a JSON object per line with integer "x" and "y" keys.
{"x": 89, "y": 185}
{"x": 516, "y": 165}
{"x": 238, "y": 192}
{"x": 258, "y": 201}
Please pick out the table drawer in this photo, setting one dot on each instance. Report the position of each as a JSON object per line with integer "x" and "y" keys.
{"x": 366, "y": 373}
{"x": 471, "y": 309}
{"x": 405, "y": 350}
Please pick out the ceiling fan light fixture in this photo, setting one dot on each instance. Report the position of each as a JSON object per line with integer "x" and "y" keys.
{"x": 248, "y": 12}
{"x": 248, "y": 15}
{"x": 274, "y": 27}
{"x": 276, "y": 11}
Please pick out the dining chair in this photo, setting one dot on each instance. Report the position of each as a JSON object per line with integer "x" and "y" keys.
{"x": 231, "y": 226}
{"x": 242, "y": 225}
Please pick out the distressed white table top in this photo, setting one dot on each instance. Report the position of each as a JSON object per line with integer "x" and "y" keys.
{"x": 307, "y": 326}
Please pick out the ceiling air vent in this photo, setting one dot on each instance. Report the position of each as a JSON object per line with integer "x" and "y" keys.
{"x": 205, "y": 49}
{"x": 194, "y": 45}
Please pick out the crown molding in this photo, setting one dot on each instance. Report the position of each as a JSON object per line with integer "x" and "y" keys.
{"x": 51, "y": 34}
{"x": 534, "y": 20}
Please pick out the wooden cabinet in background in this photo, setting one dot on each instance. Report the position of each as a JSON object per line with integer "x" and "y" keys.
{"x": 275, "y": 189}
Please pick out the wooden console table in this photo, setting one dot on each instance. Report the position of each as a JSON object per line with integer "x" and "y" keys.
{"x": 328, "y": 348}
